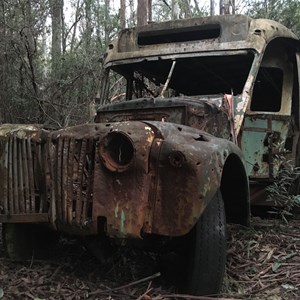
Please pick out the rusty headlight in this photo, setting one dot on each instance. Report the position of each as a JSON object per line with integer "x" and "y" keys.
{"x": 116, "y": 151}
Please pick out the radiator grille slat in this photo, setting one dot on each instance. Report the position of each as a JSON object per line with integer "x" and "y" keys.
{"x": 72, "y": 170}
{"x": 43, "y": 183}
{"x": 20, "y": 161}
{"x": 59, "y": 179}
{"x": 21, "y": 190}
{"x": 10, "y": 177}
{"x": 69, "y": 187}
{"x": 31, "y": 177}
{"x": 5, "y": 177}
{"x": 87, "y": 208}
{"x": 81, "y": 164}
{"x": 52, "y": 166}
{"x": 15, "y": 174}
{"x": 65, "y": 180}
{"x": 26, "y": 176}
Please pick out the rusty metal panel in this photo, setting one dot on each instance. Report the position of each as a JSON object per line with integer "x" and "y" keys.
{"x": 121, "y": 197}
{"x": 173, "y": 173}
{"x": 233, "y": 28}
{"x": 187, "y": 175}
{"x": 205, "y": 113}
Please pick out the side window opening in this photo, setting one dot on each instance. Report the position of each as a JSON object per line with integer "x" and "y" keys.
{"x": 267, "y": 92}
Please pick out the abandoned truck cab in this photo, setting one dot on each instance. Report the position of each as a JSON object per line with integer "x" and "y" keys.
{"x": 190, "y": 110}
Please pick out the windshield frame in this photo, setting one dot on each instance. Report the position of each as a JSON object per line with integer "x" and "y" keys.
{"x": 112, "y": 65}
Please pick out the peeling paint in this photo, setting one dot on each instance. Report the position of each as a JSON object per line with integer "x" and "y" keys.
{"x": 122, "y": 223}
{"x": 117, "y": 210}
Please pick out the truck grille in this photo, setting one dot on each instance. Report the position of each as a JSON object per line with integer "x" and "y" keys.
{"x": 23, "y": 182}
{"x": 50, "y": 176}
{"x": 71, "y": 167}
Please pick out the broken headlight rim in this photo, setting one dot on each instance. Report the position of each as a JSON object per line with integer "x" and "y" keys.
{"x": 116, "y": 151}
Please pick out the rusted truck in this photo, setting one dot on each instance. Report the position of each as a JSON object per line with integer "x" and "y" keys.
{"x": 204, "y": 106}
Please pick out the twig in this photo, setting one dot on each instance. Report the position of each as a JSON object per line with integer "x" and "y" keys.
{"x": 144, "y": 294}
{"x": 56, "y": 271}
{"x": 126, "y": 285}
{"x": 190, "y": 297}
{"x": 263, "y": 288}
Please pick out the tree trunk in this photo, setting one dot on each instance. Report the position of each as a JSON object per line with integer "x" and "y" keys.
{"x": 122, "y": 14}
{"x": 142, "y": 12}
{"x": 187, "y": 9}
{"x": 2, "y": 62}
{"x": 106, "y": 26}
{"x": 56, "y": 56}
{"x": 88, "y": 26}
{"x": 77, "y": 17}
{"x": 212, "y": 7}
{"x": 227, "y": 7}
{"x": 149, "y": 10}
{"x": 175, "y": 9}
{"x": 132, "y": 20}
{"x": 30, "y": 43}
{"x": 56, "y": 50}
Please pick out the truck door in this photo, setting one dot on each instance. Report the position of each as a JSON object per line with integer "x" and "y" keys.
{"x": 270, "y": 130}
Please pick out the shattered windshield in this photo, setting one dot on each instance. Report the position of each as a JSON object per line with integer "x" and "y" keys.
{"x": 190, "y": 76}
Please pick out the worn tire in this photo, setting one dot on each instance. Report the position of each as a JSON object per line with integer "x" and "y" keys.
{"x": 207, "y": 251}
{"x": 22, "y": 241}
{"x": 197, "y": 266}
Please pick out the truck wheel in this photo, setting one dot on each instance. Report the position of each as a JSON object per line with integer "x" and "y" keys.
{"x": 206, "y": 254}
{"x": 197, "y": 266}
{"x": 22, "y": 241}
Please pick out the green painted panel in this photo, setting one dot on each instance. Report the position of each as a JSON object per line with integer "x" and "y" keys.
{"x": 254, "y": 148}
{"x": 254, "y": 122}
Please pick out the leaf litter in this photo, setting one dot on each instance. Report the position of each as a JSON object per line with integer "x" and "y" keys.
{"x": 263, "y": 263}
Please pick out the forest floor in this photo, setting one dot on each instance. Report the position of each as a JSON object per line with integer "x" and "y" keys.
{"x": 263, "y": 263}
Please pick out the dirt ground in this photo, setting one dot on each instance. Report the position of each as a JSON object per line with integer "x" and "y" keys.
{"x": 263, "y": 263}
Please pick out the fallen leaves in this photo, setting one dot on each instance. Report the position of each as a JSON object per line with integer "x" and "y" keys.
{"x": 264, "y": 258}
{"x": 263, "y": 263}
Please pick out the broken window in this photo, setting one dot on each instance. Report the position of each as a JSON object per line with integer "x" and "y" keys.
{"x": 273, "y": 87}
{"x": 196, "y": 75}
{"x": 267, "y": 90}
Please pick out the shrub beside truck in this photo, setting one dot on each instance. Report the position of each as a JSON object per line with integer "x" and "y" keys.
{"x": 206, "y": 115}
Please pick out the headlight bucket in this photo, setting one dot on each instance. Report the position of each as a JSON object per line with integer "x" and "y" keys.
{"x": 116, "y": 151}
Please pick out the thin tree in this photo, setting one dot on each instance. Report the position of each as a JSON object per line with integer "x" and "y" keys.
{"x": 122, "y": 13}
{"x": 212, "y": 7}
{"x": 175, "y": 9}
{"x": 56, "y": 47}
{"x": 142, "y": 12}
